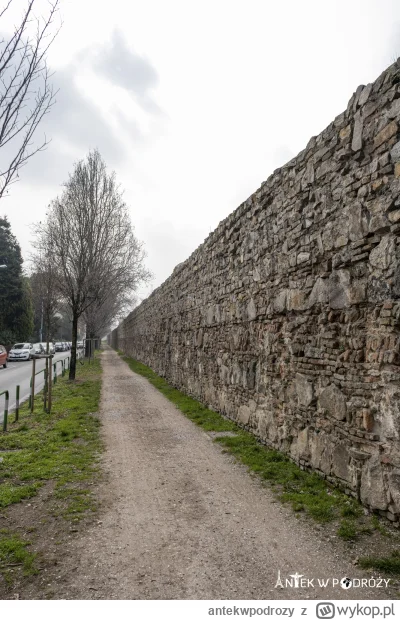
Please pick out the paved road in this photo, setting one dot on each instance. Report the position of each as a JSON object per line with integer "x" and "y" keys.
{"x": 19, "y": 373}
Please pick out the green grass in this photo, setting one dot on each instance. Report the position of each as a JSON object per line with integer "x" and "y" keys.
{"x": 389, "y": 564}
{"x": 379, "y": 527}
{"x": 348, "y": 529}
{"x": 79, "y": 502}
{"x": 14, "y": 553}
{"x": 62, "y": 446}
{"x": 14, "y": 493}
{"x": 306, "y": 492}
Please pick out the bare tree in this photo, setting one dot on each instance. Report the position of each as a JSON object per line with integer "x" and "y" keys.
{"x": 26, "y": 94}
{"x": 93, "y": 247}
{"x": 100, "y": 317}
{"x": 45, "y": 291}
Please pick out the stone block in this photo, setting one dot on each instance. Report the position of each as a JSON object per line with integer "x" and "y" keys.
{"x": 302, "y": 257}
{"x": 243, "y": 415}
{"x": 394, "y": 488}
{"x": 357, "y": 141}
{"x": 340, "y": 462}
{"x": 339, "y": 289}
{"x": 394, "y": 110}
{"x": 372, "y": 488}
{"x": 302, "y": 447}
{"x": 382, "y": 256}
{"x": 333, "y": 401}
{"x": 385, "y": 134}
{"x": 365, "y": 95}
{"x": 296, "y": 300}
{"x": 251, "y": 310}
{"x": 199, "y": 338}
{"x": 368, "y": 420}
{"x": 225, "y": 374}
{"x": 394, "y": 216}
{"x": 389, "y": 413}
{"x": 345, "y": 132}
{"x": 280, "y": 302}
{"x": 304, "y": 390}
{"x": 395, "y": 151}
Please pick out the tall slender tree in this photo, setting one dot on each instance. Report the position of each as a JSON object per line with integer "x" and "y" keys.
{"x": 45, "y": 295}
{"x": 89, "y": 237}
{"x": 15, "y": 294}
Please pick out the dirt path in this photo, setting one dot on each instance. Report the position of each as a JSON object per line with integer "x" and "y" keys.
{"x": 182, "y": 520}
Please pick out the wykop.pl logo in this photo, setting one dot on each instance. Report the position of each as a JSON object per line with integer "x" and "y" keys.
{"x": 325, "y": 610}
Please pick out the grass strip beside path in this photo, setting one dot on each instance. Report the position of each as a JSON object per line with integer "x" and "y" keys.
{"x": 59, "y": 450}
{"x": 305, "y": 491}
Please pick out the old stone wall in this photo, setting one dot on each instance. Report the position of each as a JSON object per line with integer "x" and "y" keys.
{"x": 287, "y": 317}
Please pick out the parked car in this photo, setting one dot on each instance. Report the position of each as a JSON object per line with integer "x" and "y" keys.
{"x": 38, "y": 348}
{"x": 21, "y": 351}
{"x": 79, "y": 344}
{"x": 59, "y": 346}
{"x": 3, "y": 356}
{"x": 52, "y": 349}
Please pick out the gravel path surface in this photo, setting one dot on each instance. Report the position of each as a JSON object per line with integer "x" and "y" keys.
{"x": 183, "y": 520}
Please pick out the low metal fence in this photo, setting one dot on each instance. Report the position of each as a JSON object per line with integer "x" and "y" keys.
{"x": 6, "y": 394}
{"x": 47, "y": 384}
{"x": 48, "y": 380}
{"x": 32, "y": 387}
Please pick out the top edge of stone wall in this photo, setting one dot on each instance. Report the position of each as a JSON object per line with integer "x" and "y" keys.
{"x": 358, "y": 98}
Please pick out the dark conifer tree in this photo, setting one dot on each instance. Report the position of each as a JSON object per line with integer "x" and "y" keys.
{"x": 15, "y": 294}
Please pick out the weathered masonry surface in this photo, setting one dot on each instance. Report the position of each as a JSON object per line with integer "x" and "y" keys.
{"x": 287, "y": 317}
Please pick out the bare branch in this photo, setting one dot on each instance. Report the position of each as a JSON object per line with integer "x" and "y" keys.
{"x": 25, "y": 88}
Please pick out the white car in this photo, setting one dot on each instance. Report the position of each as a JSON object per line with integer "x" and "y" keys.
{"x": 21, "y": 351}
{"x": 38, "y": 348}
{"x": 52, "y": 348}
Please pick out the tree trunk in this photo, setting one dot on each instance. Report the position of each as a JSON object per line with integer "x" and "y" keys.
{"x": 72, "y": 368}
{"x": 47, "y": 326}
{"x": 89, "y": 343}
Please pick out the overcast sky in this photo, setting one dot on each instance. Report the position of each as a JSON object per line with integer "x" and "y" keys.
{"x": 195, "y": 103}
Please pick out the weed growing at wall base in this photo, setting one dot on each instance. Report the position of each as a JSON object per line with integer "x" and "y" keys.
{"x": 389, "y": 564}
{"x": 305, "y": 491}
